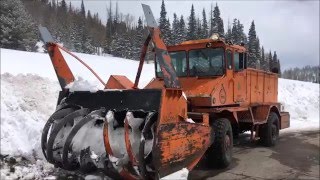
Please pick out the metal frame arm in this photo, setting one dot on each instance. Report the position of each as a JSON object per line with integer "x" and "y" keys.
{"x": 142, "y": 57}
{"x": 63, "y": 72}
{"x": 169, "y": 74}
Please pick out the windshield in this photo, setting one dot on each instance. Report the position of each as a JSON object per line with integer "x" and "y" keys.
{"x": 179, "y": 63}
{"x": 206, "y": 62}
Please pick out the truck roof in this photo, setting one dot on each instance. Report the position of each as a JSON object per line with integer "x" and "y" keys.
{"x": 203, "y": 43}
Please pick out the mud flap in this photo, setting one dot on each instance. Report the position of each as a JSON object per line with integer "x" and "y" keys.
{"x": 180, "y": 145}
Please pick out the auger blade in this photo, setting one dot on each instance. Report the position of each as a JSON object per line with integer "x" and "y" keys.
{"x": 59, "y": 133}
{"x": 57, "y": 116}
{"x": 81, "y": 138}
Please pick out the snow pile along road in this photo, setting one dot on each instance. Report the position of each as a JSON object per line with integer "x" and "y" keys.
{"x": 301, "y": 100}
{"x": 26, "y": 103}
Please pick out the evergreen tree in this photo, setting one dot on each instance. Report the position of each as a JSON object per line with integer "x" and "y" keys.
{"x": 204, "y": 33}
{"x": 82, "y": 11}
{"x": 237, "y": 34}
{"x": 217, "y": 22}
{"x": 269, "y": 60}
{"x": 228, "y": 35}
{"x": 53, "y": 4}
{"x": 264, "y": 63}
{"x": 138, "y": 40}
{"x": 164, "y": 24}
{"x": 169, "y": 33}
{"x": 86, "y": 39}
{"x": 70, "y": 8}
{"x": 63, "y": 6}
{"x": 18, "y": 31}
{"x": 175, "y": 29}
{"x": 274, "y": 65}
{"x": 210, "y": 20}
{"x": 199, "y": 30}
{"x": 109, "y": 29}
{"x": 306, "y": 73}
{"x": 182, "y": 30}
{"x": 258, "y": 54}
{"x": 192, "y": 25}
{"x": 243, "y": 36}
{"x": 279, "y": 68}
{"x": 252, "y": 49}
{"x": 89, "y": 16}
{"x": 75, "y": 36}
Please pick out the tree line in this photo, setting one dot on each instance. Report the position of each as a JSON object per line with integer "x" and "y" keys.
{"x": 82, "y": 31}
{"x": 306, "y": 73}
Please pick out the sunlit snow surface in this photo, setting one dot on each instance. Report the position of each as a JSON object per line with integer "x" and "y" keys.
{"x": 27, "y": 100}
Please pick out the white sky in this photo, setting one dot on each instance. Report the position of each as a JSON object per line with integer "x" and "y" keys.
{"x": 289, "y": 27}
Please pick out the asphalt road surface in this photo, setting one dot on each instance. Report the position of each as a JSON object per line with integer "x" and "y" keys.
{"x": 296, "y": 156}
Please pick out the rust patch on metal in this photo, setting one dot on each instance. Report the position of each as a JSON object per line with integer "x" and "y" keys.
{"x": 180, "y": 144}
{"x": 222, "y": 95}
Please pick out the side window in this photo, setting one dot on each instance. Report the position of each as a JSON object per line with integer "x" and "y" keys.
{"x": 236, "y": 61}
{"x": 229, "y": 59}
{"x": 245, "y": 61}
{"x": 240, "y": 61}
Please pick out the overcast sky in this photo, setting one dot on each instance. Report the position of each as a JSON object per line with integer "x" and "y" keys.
{"x": 289, "y": 27}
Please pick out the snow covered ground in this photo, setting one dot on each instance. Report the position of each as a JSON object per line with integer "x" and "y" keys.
{"x": 29, "y": 91}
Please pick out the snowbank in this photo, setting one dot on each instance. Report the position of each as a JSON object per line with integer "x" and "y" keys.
{"x": 16, "y": 62}
{"x": 26, "y": 103}
{"x": 301, "y": 100}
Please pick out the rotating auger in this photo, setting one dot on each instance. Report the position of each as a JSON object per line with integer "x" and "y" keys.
{"x": 129, "y": 133}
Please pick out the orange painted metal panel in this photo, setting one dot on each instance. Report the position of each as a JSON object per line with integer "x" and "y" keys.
{"x": 240, "y": 87}
{"x": 179, "y": 143}
{"x": 246, "y": 87}
{"x": 118, "y": 82}
{"x": 61, "y": 67}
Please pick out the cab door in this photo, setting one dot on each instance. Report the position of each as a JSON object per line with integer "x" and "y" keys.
{"x": 240, "y": 86}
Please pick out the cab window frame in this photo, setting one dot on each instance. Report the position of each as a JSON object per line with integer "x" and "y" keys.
{"x": 179, "y": 75}
{"x": 229, "y": 59}
{"x": 241, "y": 61}
{"x": 236, "y": 61}
{"x": 203, "y": 76}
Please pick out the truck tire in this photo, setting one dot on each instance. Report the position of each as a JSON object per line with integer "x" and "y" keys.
{"x": 220, "y": 154}
{"x": 270, "y": 130}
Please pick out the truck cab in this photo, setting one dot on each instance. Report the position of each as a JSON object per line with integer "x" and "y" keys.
{"x": 207, "y": 70}
{"x": 205, "y": 58}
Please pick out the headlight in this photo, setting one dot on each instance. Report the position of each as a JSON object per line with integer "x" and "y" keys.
{"x": 215, "y": 36}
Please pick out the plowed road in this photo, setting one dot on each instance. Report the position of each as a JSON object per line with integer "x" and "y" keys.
{"x": 296, "y": 156}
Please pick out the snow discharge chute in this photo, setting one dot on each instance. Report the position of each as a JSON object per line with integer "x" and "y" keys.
{"x": 122, "y": 130}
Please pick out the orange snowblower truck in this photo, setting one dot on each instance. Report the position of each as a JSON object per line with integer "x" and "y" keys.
{"x": 216, "y": 80}
{"x": 202, "y": 96}
{"x": 223, "y": 92}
